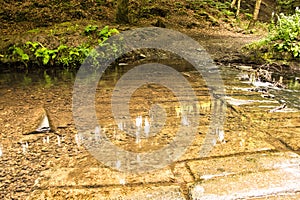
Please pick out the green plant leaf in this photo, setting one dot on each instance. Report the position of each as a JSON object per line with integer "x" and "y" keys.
{"x": 32, "y": 45}
{"x": 46, "y": 59}
{"x": 104, "y": 32}
{"x": 25, "y": 57}
{"x": 62, "y": 47}
{"x": 90, "y": 29}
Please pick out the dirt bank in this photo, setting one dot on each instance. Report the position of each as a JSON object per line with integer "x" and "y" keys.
{"x": 52, "y": 23}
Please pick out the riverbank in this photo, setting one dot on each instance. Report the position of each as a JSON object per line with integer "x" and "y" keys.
{"x": 212, "y": 24}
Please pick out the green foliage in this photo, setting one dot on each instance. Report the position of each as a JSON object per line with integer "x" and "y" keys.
{"x": 228, "y": 12}
{"x": 37, "y": 30}
{"x": 76, "y": 55}
{"x": 249, "y": 16}
{"x": 36, "y": 53}
{"x": 106, "y": 32}
{"x": 19, "y": 52}
{"x": 287, "y": 6}
{"x": 45, "y": 54}
{"x": 90, "y": 29}
{"x": 286, "y": 34}
{"x": 48, "y": 80}
{"x": 101, "y": 35}
{"x": 33, "y": 45}
{"x": 283, "y": 41}
{"x": 294, "y": 85}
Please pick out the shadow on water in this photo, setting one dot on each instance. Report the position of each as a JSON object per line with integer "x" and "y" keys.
{"x": 43, "y": 78}
{"x": 48, "y": 77}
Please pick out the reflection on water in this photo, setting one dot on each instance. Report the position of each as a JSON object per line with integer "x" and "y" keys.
{"x": 46, "y": 140}
{"x": 1, "y": 152}
{"x": 284, "y": 89}
{"x": 58, "y": 141}
{"x": 239, "y": 102}
{"x": 25, "y": 147}
{"x": 147, "y": 127}
{"x": 147, "y": 133}
{"x": 77, "y": 139}
{"x": 118, "y": 164}
{"x": 43, "y": 78}
{"x": 122, "y": 180}
{"x": 97, "y": 133}
{"x": 221, "y": 136}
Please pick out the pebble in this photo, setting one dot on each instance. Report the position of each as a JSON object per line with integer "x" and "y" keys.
{"x": 22, "y": 170}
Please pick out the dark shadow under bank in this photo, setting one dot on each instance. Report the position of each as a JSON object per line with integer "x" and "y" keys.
{"x": 179, "y": 64}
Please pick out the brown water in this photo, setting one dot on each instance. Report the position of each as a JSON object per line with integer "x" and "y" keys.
{"x": 53, "y": 164}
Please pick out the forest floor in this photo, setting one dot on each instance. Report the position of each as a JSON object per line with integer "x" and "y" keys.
{"x": 210, "y": 23}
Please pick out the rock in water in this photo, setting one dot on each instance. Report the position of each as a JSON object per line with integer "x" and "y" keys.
{"x": 37, "y": 122}
{"x": 44, "y": 124}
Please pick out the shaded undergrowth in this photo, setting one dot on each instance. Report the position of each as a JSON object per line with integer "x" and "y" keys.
{"x": 37, "y": 54}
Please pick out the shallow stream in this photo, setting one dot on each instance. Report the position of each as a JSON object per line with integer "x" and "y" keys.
{"x": 258, "y": 118}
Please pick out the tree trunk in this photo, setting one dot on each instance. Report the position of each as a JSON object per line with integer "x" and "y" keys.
{"x": 255, "y": 13}
{"x": 238, "y": 9}
{"x": 232, "y": 3}
{"x": 122, "y": 11}
{"x": 256, "y": 10}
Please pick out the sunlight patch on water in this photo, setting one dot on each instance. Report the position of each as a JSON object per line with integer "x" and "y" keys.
{"x": 139, "y": 121}
{"x": 25, "y": 147}
{"x": 239, "y": 102}
{"x": 210, "y": 176}
{"x": 58, "y": 141}
{"x": 122, "y": 180}
{"x": 1, "y": 151}
{"x": 138, "y": 158}
{"x": 77, "y": 140}
{"x": 46, "y": 140}
{"x": 287, "y": 110}
{"x": 197, "y": 192}
{"x": 184, "y": 120}
{"x": 118, "y": 164}
{"x": 97, "y": 133}
{"x": 147, "y": 127}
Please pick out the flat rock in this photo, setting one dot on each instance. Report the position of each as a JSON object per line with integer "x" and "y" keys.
{"x": 247, "y": 177}
{"x": 113, "y": 193}
{"x": 97, "y": 177}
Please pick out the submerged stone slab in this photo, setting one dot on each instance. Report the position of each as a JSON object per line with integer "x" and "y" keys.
{"x": 221, "y": 167}
{"x": 251, "y": 185}
{"x": 182, "y": 174}
{"x": 247, "y": 177}
{"x": 113, "y": 193}
{"x": 280, "y": 196}
{"x": 100, "y": 177}
{"x": 286, "y": 128}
